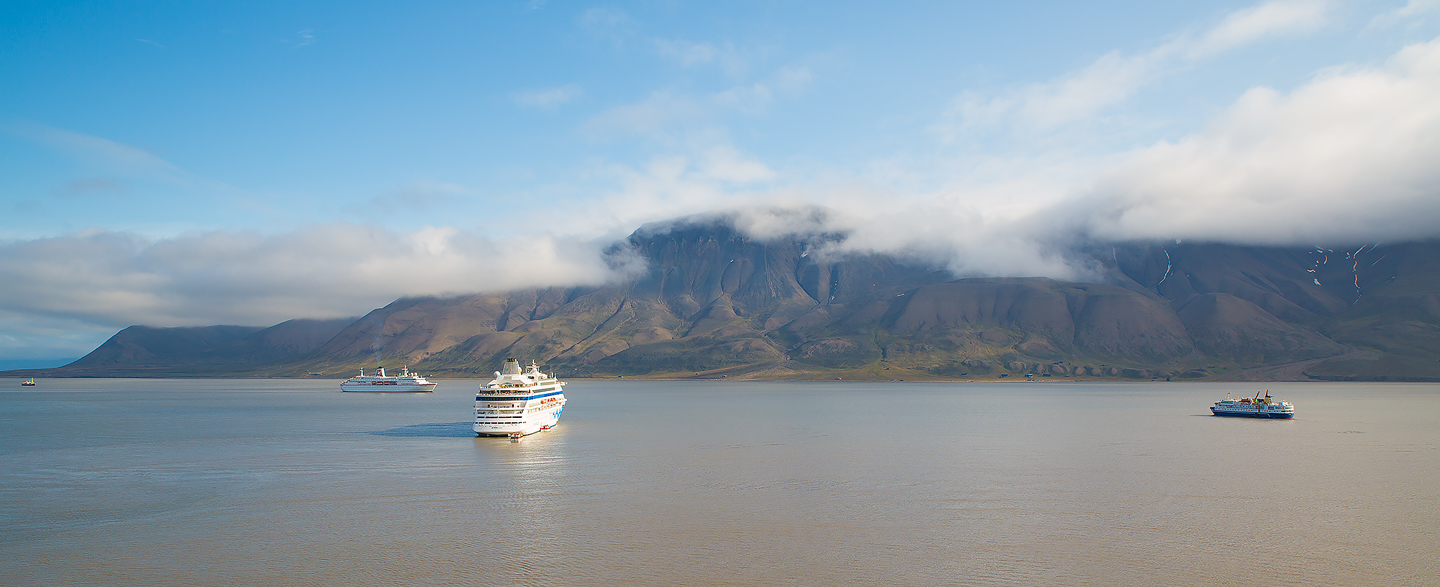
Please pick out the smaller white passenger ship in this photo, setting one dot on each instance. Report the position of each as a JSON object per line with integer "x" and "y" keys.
{"x": 405, "y": 382}
{"x": 1257, "y": 407}
{"x": 518, "y": 403}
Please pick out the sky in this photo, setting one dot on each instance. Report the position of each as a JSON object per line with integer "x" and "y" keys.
{"x": 184, "y": 163}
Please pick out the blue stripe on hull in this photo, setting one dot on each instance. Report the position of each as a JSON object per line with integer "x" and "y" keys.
{"x": 482, "y": 398}
{"x": 1253, "y": 415}
{"x": 502, "y": 434}
{"x": 553, "y": 424}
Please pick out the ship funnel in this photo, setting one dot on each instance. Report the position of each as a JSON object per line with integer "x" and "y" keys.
{"x": 511, "y": 367}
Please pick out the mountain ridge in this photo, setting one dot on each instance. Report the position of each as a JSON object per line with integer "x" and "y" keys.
{"x": 713, "y": 301}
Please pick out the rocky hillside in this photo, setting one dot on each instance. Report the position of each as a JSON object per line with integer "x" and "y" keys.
{"x": 714, "y": 302}
{"x": 207, "y": 350}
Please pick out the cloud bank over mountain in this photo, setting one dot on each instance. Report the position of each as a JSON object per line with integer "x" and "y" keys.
{"x": 1349, "y": 157}
{"x": 114, "y": 279}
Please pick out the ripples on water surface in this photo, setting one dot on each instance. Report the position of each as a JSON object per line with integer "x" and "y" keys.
{"x": 243, "y": 482}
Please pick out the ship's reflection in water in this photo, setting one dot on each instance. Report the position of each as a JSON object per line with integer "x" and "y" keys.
{"x": 521, "y": 521}
{"x": 692, "y": 483}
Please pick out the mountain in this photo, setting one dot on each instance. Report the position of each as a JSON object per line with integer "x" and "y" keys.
{"x": 140, "y": 351}
{"x": 1367, "y": 313}
{"x": 713, "y": 301}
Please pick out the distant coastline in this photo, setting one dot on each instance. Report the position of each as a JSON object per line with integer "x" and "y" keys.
{"x": 1282, "y": 373}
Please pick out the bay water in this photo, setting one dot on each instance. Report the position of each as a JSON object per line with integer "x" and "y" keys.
{"x": 290, "y": 482}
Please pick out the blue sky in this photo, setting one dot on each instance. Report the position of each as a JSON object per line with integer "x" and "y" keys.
{"x": 199, "y": 163}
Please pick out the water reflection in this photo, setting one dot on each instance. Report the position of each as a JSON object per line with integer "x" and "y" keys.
{"x": 434, "y": 430}
{"x": 527, "y": 513}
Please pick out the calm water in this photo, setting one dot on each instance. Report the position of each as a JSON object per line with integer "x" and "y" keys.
{"x": 243, "y": 482}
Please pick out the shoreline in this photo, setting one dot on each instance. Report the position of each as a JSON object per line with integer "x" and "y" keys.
{"x": 1004, "y": 380}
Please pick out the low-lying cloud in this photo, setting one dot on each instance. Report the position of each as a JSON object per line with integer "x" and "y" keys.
{"x": 321, "y": 271}
{"x": 1352, "y": 156}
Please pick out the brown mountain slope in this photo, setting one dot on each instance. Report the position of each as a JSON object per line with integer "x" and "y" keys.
{"x": 1229, "y": 328}
{"x": 1378, "y": 300}
{"x": 713, "y": 301}
{"x": 142, "y": 351}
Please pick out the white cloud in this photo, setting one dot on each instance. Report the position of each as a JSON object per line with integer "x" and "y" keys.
{"x": 90, "y": 185}
{"x": 1411, "y": 11}
{"x": 725, "y": 163}
{"x": 306, "y": 38}
{"x": 118, "y": 160}
{"x": 414, "y": 196}
{"x": 730, "y": 60}
{"x": 546, "y": 98}
{"x": 669, "y": 114}
{"x": 38, "y": 336}
{"x": 116, "y": 279}
{"x": 104, "y": 154}
{"x": 1279, "y": 17}
{"x": 712, "y": 176}
{"x": 664, "y": 112}
{"x": 749, "y": 99}
{"x": 957, "y": 238}
{"x": 685, "y": 52}
{"x": 1349, "y": 156}
{"x": 610, "y": 24}
{"x": 653, "y": 116}
{"x": 1113, "y": 78}
{"x": 793, "y": 80}
{"x": 1109, "y": 80}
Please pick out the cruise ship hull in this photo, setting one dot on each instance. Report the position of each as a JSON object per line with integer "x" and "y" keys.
{"x": 1256, "y": 407}
{"x": 1253, "y": 414}
{"x": 530, "y": 425}
{"x": 387, "y": 388}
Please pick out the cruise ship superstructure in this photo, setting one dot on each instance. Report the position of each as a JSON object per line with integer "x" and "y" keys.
{"x": 1257, "y": 407}
{"x": 518, "y": 402}
{"x": 405, "y": 382}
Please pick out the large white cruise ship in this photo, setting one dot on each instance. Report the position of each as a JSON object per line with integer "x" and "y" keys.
{"x": 516, "y": 403}
{"x": 404, "y": 382}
